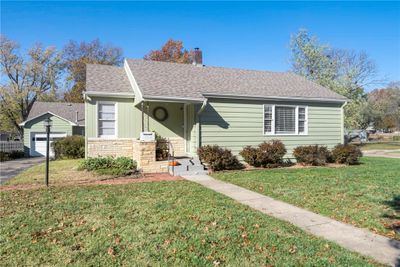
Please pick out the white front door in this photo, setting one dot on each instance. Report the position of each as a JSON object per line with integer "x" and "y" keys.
{"x": 38, "y": 143}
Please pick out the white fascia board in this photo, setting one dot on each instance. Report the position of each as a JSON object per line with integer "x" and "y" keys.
{"x": 172, "y": 99}
{"x": 51, "y": 113}
{"x": 107, "y": 94}
{"x": 134, "y": 85}
{"x": 276, "y": 98}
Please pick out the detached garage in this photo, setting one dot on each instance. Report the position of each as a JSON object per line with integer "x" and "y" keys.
{"x": 67, "y": 119}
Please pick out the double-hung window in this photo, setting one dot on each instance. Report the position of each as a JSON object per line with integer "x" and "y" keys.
{"x": 106, "y": 120}
{"x": 283, "y": 119}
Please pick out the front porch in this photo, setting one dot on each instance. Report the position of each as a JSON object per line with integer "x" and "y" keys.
{"x": 173, "y": 122}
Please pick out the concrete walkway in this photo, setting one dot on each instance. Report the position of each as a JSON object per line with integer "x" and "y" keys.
{"x": 380, "y": 248}
{"x": 393, "y": 153}
{"x": 9, "y": 169}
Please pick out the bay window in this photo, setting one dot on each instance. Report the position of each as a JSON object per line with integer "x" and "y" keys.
{"x": 106, "y": 120}
{"x": 285, "y": 120}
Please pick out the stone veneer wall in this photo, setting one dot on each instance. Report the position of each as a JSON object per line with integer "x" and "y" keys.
{"x": 121, "y": 147}
{"x": 179, "y": 146}
{"x": 143, "y": 152}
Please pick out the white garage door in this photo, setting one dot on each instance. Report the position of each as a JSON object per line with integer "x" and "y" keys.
{"x": 38, "y": 143}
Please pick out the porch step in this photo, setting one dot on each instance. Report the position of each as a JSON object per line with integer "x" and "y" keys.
{"x": 187, "y": 167}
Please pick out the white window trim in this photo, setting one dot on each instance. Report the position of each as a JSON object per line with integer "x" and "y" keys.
{"x": 116, "y": 119}
{"x": 272, "y": 133}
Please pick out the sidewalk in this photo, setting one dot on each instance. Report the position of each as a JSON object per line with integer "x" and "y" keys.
{"x": 394, "y": 153}
{"x": 381, "y": 248}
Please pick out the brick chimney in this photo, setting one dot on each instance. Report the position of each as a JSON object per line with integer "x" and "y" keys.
{"x": 197, "y": 57}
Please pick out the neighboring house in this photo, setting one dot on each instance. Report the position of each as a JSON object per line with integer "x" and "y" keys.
{"x": 67, "y": 119}
{"x": 194, "y": 105}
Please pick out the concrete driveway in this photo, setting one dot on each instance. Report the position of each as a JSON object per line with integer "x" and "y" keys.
{"x": 9, "y": 169}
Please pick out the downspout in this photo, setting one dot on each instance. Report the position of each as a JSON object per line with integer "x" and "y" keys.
{"x": 203, "y": 106}
{"x": 342, "y": 124}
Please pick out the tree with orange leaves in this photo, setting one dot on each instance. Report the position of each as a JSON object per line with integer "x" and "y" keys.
{"x": 171, "y": 51}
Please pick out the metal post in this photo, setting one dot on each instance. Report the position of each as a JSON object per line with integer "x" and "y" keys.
{"x": 148, "y": 117}
{"x": 142, "y": 116}
{"x": 47, "y": 154}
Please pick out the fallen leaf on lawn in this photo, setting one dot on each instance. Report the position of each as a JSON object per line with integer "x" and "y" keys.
{"x": 167, "y": 242}
{"x": 293, "y": 250}
{"x": 209, "y": 257}
{"x": 216, "y": 262}
{"x": 256, "y": 225}
{"x": 111, "y": 251}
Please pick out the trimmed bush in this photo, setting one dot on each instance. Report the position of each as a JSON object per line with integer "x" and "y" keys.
{"x": 346, "y": 154}
{"x": 312, "y": 155}
{"x": 249, "y": 155}
{"x": 218, "y": 158}
{"x": 267, "y": 154}
{"x": 271, "y": 153}
{"x": 4, "y": 156}
{"x": 120, "y": 166}
{"x": 70, "y": 147}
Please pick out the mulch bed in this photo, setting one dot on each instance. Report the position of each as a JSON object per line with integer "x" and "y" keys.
{"x": 147, "y": 178}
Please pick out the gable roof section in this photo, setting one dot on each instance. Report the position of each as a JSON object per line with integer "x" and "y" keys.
{"x": 107, "y": 80}
{"x": 173, "y": 80}
{"x": 63, "y": 110}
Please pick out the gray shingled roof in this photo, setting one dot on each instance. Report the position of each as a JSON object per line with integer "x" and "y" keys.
{"x": 107, "y": 79}
{"x": 188, "y": 81}
{"x": 62, "y": 109}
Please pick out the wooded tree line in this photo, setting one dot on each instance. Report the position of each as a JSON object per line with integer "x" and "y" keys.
{"x": 47, "y": 74}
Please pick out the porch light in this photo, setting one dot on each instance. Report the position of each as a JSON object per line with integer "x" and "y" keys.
{"x": 47, "y": 123}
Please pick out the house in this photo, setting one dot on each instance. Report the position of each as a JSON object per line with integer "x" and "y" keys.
{"x": 67, "y": 119}
{"x": 194, "y": 105}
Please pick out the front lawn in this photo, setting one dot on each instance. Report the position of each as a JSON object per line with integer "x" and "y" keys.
{"x": 366, "y": 195}
{"x": 152, "y": 224}
{"x": 60, "y": 171}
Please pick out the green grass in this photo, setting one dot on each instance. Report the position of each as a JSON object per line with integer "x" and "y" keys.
{"x": 60, "y": 171}
{"x": 152, "y": 224}
{"x": 381, "y": 146}
{"x": 366, "y": 195}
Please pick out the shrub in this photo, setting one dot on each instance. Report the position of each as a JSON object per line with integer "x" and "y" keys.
{"x": 4, "y": 156}
{"x": 270, "y": 153}
{"x": 249, "y": 155}
{"x": 396, "y": 138}
{"x": 161, "y": 147}
{"x": 346, "y": 154}
{"x": 70, "y": 147}
{"x": 109, "y": 165}
{"x": 312, "y": 155}
{"x": 218, "y": 158}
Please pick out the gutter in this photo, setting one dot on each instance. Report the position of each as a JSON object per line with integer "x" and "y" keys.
{"x": 276, "y": 98}
{"x": 106, "y": 94}
{"x": 342, "y": 122}
{"x": 172, "y": 99}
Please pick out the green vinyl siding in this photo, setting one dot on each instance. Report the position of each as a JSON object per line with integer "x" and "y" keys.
{"x": 129, "y": 118}
{"x": 36, "y": 126}
{"x": 237, "y": 123}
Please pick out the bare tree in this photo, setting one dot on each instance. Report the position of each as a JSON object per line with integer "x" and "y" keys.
{"x": 26, "y": 79}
